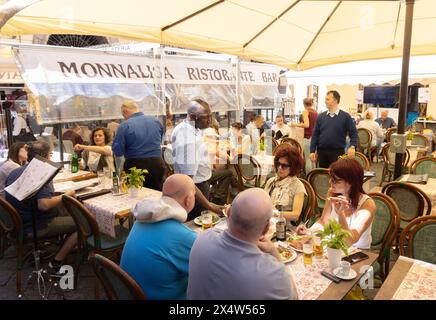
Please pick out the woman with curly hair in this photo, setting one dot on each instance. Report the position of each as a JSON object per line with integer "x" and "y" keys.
{"x": 99, "y": 153}
{"x": 285, "y": 189}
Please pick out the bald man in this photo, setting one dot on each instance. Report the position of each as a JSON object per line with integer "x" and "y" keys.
{"x": 384, "y": 121}
{"x": 138, "y": 140}
{"x": 156, "y": 253}
{"x": 240, "y": 262}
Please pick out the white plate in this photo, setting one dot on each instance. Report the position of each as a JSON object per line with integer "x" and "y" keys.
{"x": 215, "y": 219}
{"x": 291, "y": 258}
{"x": 351, "y": 275}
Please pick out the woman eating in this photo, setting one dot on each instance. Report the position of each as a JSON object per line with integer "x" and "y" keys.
{"x": 285, "y": 189}
{"x": 99, "y": 154}
{"x": 348, "y": 204}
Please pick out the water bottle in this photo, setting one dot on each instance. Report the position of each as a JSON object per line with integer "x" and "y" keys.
{"x": 75, "y": 162}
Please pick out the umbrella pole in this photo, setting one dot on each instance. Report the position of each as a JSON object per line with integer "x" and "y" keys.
{"x": 404, "y": 82}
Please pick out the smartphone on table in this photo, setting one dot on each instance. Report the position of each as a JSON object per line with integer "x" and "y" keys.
{"x": 355, "y": 257}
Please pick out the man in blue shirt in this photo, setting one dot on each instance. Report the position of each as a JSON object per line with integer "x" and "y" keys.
{"x": 330, "y": 132}
{"x": 139, "y": 140}
{"x": 156, "y": 253}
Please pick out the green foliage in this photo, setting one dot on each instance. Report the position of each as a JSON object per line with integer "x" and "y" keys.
{"x": 136, "y": 177}
{"x": 335, "y": 237}
{"x": 262, "y": 145}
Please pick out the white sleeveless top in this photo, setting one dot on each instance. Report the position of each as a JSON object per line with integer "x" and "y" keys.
{"x": 353, "y": 222}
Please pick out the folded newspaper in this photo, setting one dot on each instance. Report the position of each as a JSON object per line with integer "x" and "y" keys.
{"x": 417, "y": 178}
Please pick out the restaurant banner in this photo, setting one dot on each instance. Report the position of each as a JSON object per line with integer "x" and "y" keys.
{"x": 72, "y": 82}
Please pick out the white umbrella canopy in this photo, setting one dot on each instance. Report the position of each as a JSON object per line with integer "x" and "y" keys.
{"x": 297, "y": 34}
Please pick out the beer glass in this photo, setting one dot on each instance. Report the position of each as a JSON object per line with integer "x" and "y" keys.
{"x": 317, "y": 247}
{"x": 307, "y": 252}
{"x": 206, "y": 219}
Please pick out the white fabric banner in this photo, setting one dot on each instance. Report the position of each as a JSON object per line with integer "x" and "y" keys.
{"x": 75, "y": 66}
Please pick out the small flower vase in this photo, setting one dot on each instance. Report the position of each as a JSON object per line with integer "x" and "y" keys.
{"x": 334, "y": 257}
{"x": 134, "y": 192}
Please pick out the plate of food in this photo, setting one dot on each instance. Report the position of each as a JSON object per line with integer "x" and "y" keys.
{"x": 287, "y": 254}
{"x": 296, "y": 242}
{"x": 215, "y": 219}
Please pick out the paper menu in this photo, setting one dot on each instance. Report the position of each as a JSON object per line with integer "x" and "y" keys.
{"x": 33, "y": 178}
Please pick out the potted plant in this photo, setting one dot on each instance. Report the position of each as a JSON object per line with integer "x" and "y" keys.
{"x": 135, "y": 180}
{"x": 334, "y": 238}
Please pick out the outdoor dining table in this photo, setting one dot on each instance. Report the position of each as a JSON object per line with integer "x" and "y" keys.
{"x": 409, "y": 279}
{"x": 311, "y": 285}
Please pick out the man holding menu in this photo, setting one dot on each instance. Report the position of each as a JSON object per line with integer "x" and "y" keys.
{"x": 48, "y": 223}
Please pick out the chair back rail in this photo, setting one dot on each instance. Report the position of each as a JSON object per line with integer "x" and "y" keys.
{"x": 117, "y": 284}
{"x": 418, "y": 239}
{"x": 411, "y": 200}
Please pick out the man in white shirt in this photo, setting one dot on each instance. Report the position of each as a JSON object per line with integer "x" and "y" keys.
{"x": 191, "y": 156}
{"x": 280, "y": 128}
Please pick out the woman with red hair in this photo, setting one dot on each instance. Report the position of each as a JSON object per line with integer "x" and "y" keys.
{"x": 285, "y": 189}
{"x": 348, "y": 204}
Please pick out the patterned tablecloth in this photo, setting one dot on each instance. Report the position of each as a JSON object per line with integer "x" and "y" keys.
{"x": 419, "y": 283}
{"x": 308, "y": 279}
{"x": 107, "y": 206}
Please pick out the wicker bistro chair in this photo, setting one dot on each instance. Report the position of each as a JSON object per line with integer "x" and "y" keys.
{"x": 424, "y": 165}
{"x": 319, "y": 180}
{"x": 384, "y": 230}
{"x": 11, "y": 223}
{"x": 167, "y": 157}
{"x": 117, "y": 284}
{"x": 274, "y": 143}
{"x": 293, "y": 143}
{"x": 89, "y": 237}
{"x": 364, "y": 143}
{"x": 248, "y": 171}
{"x": 419, "y": 139}
{"x": 389, "y": 163}
{"x": 411, "y": 200}
{"x": 11, "y": 227}
{"x": 361, "y": 158}
{"x": 389, "y": 132}
{"x": 309, "y": 205}
{"x": 418, "y": 239}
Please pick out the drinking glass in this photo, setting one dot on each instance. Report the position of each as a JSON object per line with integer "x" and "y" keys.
{"x": 101, "y": 177}
{"x": 307, "y": 252}
{"x": 206, "y": 219}
{"x": 317, "y": 247}
{"x": 345, "y": 268}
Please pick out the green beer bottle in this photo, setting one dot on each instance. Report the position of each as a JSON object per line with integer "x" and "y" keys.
{"x": 75, "y": 162}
